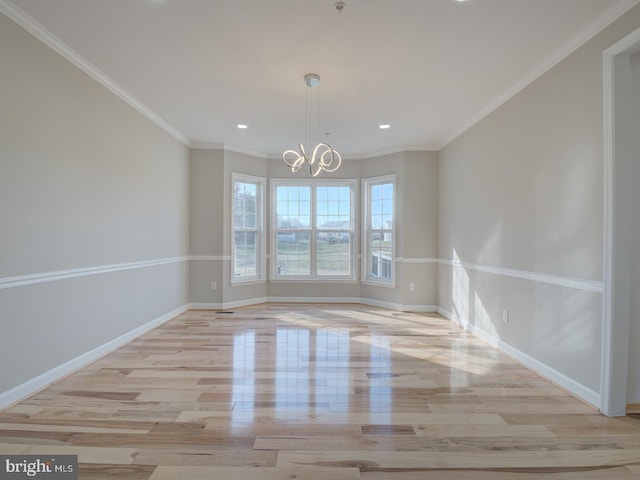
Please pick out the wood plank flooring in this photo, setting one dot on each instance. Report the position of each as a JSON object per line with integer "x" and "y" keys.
{"x": 342, "y": 392}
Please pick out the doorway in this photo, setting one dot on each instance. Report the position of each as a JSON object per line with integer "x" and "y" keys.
{"x": 620, "y": 354}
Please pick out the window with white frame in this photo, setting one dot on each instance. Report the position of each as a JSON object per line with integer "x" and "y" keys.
{"x": 313, "y": 229}
{"x": 248, "y": 242}
{"x": 379, "y": 230}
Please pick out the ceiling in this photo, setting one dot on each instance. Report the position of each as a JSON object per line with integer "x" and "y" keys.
{"x": 429, "y": 68}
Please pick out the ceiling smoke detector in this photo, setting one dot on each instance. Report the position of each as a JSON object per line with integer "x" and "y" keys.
{"x": 339, "y": 6}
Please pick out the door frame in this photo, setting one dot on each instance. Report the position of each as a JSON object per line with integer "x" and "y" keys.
{"x": 618, "y": 184}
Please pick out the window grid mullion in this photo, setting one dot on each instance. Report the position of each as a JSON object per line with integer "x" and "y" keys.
{"x": 313, "y": 268}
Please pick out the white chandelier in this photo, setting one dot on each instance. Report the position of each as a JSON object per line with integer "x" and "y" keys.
{"x": 324, "y": 157}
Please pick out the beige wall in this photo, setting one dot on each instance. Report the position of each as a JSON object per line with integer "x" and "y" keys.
{"x": 86, "y": 182}
{"x": 521, "y": 193}
{"x": 419, "y": 241}
{"x": 211, "y": 172}
{"x": 206, "y": 195}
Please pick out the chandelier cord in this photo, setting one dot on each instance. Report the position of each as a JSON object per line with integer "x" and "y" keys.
{"x": 307, "y": 120}
{"x": 308, "y": 124}
{"x": 319, "y": 137}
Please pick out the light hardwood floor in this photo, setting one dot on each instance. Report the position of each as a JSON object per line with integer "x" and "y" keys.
{"x": 341, "y": 392}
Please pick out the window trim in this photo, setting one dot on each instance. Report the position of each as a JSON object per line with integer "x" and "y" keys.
{"x": 352, "y": 183}
{"x": 261, "y": 244}
{"x": 367, "y": 184}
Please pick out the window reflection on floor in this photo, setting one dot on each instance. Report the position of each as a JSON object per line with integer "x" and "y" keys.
{"x": 312, "y": 374}
{"x": 332, "y": 369}
{"x": 381, "y": 390}
{"x": 244, "y": 378}
{"x": 292, "y": 372}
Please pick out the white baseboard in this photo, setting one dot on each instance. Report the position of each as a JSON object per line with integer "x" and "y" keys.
{"x": 36, "y": 384}
{"x": 357, "y": 300}
{"x": 227, "y": 305}
{"x": 314, "y": 299}
{"x": 205, "y": 306}
{"x": 244, "y": 303}
{"x": 445, "y": 313}
{"x": 579, "y": 390}
{"x": 399, "y": 307}
{"x": 420, "y": 308}
{"x": 379, "y": 303}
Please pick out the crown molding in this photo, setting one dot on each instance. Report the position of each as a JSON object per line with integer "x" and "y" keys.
{"x": 245, "y": 151}
{"x": 206, "y": 146}
{"x": 406, "y": 148}
{"x": 379, "y": 153}
{"x": 57, "y": 45}
{"x": 278, "y": 156}
{"x": 421, "y": 148}
{"x": 227, "y": 148}
{"x": 602, "y": 22}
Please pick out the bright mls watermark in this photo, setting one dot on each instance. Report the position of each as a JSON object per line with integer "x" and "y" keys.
{"x": 50, "y": 467}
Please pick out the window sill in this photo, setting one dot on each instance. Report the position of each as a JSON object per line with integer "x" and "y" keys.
{"x": 373, "y": 283}
{"x": 314, "y": 280}
{"x": 239, "y": 283}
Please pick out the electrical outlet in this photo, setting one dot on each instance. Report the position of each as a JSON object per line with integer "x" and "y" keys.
{"x": 505, "y": 315}
{"x": 214, "y": 285}
{"x": 412, "y": 287}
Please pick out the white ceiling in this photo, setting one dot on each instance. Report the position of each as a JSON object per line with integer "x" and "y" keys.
{"x": 430, "y": 68}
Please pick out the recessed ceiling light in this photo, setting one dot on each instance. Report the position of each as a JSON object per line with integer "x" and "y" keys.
{"x": 384, "y": 126}
{"x": 242, "y": 126}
